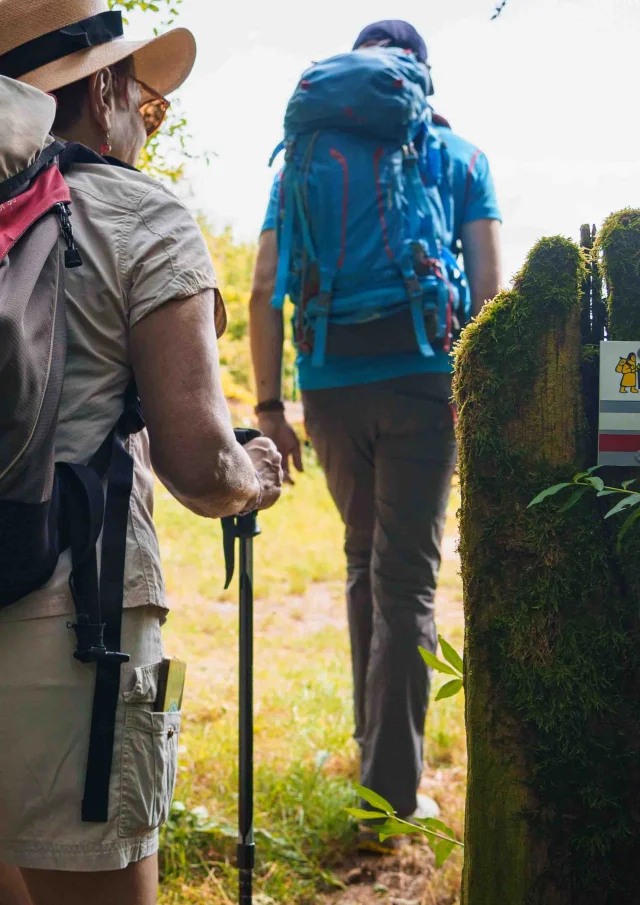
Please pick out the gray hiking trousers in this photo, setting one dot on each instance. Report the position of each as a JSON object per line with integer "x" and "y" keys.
{"x": 388, "y": 450}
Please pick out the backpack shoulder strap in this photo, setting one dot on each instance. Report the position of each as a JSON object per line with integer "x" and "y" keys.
{"x": 99, "y": 602}
{"x": 15, "y": 184}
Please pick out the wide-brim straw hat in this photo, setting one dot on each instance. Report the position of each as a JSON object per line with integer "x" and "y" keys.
{"x": 35, "y": 30}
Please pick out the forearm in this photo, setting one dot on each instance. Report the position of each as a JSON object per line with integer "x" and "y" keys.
{"x": 482, "y": 260}
{"x": 193, "y": 448}
{"x": 221, "y": 483}
{"x": 267, "y": 338}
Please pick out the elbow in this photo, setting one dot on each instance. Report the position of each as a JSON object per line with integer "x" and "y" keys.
{"x": 261, "y": 296}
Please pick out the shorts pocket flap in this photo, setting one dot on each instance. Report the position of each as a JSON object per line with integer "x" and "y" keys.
{"x": 144, "y": 688}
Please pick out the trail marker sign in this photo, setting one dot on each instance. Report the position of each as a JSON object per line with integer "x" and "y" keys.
{"x": 619, "y": 431}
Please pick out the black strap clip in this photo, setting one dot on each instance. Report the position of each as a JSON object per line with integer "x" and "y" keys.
{"x": 91, "y": 647}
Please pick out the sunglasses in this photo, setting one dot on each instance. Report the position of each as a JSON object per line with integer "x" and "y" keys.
{"x": 153, "y": 111}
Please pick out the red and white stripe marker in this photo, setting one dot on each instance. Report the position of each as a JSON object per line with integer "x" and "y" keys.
{"x": 619, "y": 428}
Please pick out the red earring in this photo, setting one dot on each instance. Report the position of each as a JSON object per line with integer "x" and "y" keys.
{"x": 106, "y": 147}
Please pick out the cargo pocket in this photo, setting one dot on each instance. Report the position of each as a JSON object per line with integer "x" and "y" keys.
{"x": 149, "y": 758}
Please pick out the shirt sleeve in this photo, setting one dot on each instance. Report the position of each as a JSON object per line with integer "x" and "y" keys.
{"x": 166, "y": 256}
{"x": 273, "y": 208}
{"x": 480, "y": 200}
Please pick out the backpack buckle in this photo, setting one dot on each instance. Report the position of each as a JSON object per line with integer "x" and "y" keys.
{"x": 413, "y": 287}
{"x": 91, "y": 647}
{"x": 410, "y": 154}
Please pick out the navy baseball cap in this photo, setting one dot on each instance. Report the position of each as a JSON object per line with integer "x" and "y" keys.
{"x": 395, "y": 33}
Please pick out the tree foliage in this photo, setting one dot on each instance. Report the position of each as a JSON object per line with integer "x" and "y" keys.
{"x": 234, "y": 262}
{"x": 168, "y": 7}
{"x": 166, "y": 154}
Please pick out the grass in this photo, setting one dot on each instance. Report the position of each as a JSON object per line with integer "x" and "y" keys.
{"x": 306, "y": 760}
{"x": 304, "y": 544}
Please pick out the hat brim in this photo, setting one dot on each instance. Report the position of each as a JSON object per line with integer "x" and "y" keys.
{"x": 163, "y": 62}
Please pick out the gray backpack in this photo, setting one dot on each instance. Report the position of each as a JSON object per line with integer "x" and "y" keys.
{"x": 46, "y": 506}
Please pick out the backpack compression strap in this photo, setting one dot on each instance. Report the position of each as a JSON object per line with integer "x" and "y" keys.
{"x": 99, "y": 602}
{"x": 119, "y": 476}
{"x": 294, "y": 208}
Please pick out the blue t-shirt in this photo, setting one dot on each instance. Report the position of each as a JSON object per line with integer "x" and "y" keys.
{"x": 474, "y": 198}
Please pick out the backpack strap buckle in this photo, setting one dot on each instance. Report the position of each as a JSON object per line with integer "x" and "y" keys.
{"x": 415, "y": 293}
{"x": 91, "y": 647}
{"x": 409, "y": 155}
{"x": 322, "y": 306}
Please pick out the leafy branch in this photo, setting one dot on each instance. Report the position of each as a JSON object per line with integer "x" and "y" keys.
{"x": 586, "y": 482}
{"x": 453, "y": 667}
{"x": 441, "y": 838}
{"x": 169, "y": 6}
{"x": 165, "y": 154}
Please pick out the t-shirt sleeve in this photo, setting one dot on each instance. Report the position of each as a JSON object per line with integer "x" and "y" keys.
{"x": 480, "y": 200}
{"x": 273, "y": 208}
{"x": 166, "y": 256}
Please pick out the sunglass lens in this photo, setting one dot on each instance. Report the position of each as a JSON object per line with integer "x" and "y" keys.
{"x": 153, "y": 114}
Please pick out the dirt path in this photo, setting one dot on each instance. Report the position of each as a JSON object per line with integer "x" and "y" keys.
{"x": 410, "y": 877}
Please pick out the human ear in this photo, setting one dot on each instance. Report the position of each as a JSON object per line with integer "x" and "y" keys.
{"x": 101, "y": 100}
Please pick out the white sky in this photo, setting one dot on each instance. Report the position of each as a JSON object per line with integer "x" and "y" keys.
{"x": 549, "y": 91}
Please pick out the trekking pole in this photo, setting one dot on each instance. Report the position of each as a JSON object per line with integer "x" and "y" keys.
{"x": 244, "y": 528}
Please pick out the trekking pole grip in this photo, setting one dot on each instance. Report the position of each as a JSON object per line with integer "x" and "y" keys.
{"x": 247, "y": 524}
{"x": 243, "y": 527}
{"x": 245, "y": 435}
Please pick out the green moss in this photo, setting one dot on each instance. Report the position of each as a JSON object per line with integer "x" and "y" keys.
{"x": 550, "y": 646}
{"x": 619, "y": 245}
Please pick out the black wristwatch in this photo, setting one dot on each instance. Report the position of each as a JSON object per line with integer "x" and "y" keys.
{"x": 269, "y": 406}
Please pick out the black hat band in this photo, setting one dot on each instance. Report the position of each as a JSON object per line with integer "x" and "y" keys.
{"x": 62, "y": 42}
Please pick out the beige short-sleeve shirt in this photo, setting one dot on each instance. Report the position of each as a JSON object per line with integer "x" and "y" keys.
{"x": 140, "y": 248}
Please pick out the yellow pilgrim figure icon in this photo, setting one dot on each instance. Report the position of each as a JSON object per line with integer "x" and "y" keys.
{"x": 628, "y": 367}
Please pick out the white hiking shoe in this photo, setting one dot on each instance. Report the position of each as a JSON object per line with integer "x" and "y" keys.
{"x": 427, "y": 809}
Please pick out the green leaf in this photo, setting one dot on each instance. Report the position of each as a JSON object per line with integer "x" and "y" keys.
{"x": 438, "y": 826}
{"x": 630, "y": 521}
{"x": 550, "y": 491}
{"x": 432, "y": 661}
{"x": 398, "y": 828}
{"x": 594, "y": 468}
{"x": 628, "y": 501}
{"x": 451, "y": 655}
{"x": 608, "y": 492}
{"x": 374, "y": 799}
{"x": 575, "y": 497}
{"x": 442, "y": 850}
{"x": 627, "y": 484}
{"x": 361, "y": 814}
{"x": 598, "y": 483}
{"x": 449, "y": 690}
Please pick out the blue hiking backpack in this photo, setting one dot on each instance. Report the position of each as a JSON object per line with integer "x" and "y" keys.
{"x": 366, "y": 207}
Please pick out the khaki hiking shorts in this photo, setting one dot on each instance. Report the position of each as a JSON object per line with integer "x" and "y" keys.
{"x": 45, "y": 715}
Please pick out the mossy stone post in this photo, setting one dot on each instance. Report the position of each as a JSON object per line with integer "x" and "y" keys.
{"x": 549, "y": 645}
